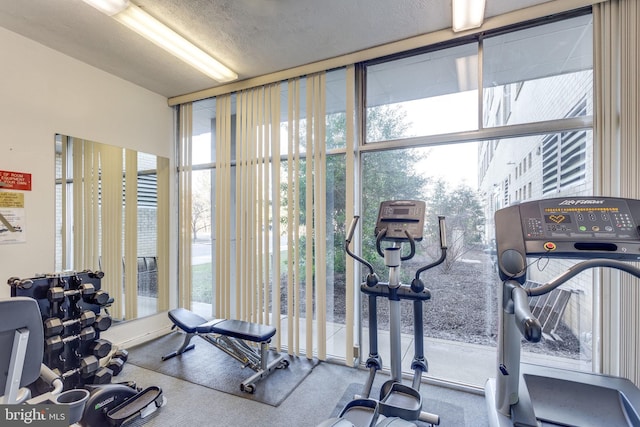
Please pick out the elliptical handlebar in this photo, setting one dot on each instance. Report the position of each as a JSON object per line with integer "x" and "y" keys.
{"x": 443, "y": 232}
{"x": 382, "y": 234}
{"x": 352, "y": 229}
{"x": 416, "y": 284}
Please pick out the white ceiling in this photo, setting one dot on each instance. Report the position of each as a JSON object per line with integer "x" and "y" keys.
{"x": 252, "y": 37}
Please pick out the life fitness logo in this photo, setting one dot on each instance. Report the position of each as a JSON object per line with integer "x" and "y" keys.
{"x": 572, "y": 202}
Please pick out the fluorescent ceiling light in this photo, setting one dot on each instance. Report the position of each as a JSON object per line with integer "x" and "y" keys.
{"x": 109, "y": 7}
{"x": 467, "y": 14}
{"x": 153, "y": 30}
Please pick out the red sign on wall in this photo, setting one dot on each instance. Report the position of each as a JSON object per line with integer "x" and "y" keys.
{"x": 15, "y": 181}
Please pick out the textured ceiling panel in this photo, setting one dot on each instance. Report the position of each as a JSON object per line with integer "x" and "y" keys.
{"x": 252, "y": 37}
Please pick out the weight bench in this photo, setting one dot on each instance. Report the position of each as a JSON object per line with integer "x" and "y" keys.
{"x": 230, "y": 336}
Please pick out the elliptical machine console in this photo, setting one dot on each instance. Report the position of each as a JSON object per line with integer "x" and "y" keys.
{"x": 399, "y": 222}
{"x": 603, "y": 232}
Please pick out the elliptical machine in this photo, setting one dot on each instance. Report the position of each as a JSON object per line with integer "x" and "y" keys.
{"x": 398, "y": 222}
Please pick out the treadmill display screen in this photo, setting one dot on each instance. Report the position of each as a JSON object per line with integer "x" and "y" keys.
{"x": 578, "y": 219}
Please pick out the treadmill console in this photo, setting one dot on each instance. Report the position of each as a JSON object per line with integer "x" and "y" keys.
{"x": 571, "y": 227}
{"x": 399, "y": 217}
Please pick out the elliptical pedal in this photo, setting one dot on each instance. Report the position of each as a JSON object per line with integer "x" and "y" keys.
{"x": 401, "y": 401}
{"x": 135, "y": 407}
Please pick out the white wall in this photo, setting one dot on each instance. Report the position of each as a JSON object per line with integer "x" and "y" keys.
{"x": 43, "y": 92}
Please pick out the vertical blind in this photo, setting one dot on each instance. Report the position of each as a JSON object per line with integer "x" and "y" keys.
{"x": 252, "y": 175}
{"x": 617, "y": 96}
{"x": 103, "y": 219}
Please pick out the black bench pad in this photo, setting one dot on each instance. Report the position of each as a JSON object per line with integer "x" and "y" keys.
{"x": 190, "y": 322}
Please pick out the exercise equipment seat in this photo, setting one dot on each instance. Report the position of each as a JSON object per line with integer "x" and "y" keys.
{"x": 230, "y": 336}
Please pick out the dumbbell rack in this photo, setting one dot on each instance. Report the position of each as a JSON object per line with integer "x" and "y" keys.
{"x": 74, "y": 313}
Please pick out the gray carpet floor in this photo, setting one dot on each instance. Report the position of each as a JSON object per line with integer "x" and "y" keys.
{"x": 314, "y": 400}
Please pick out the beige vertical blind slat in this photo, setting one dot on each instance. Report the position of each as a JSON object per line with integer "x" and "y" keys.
{"x": 223, "y": 206}
{"x": 131, "y": 233}
{"x": 293, "y": 188}
{"x": 252, "y": 216}
{"x": 162, "y": 242}
{"x": 240, "y": 191}
{"x": 64, "y": 140}
{"x": 349, "y": 211}
{"x": 184, "y": 182}
{"x": 309, "y": 221}
{"x": 80, "y": 189}
{"x": 247, "y": 237}
{"x": 277, "y": 213}
{"x": 219, "y": 208}
{"x": 111, "y": 169}
{"x": 319, "y": 212}
{"x": 93, "y": 227}
{"x": 262, "y": 234}
{"x": 290, "y": 213}
{"x": 264, "y": 271}
{"x": 241, "y": 194}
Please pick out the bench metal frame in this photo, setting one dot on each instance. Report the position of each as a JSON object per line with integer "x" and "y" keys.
{"x": 253, "y": 354}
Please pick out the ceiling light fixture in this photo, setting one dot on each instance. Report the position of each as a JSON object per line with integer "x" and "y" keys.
{"x": 467, "y": 14}
{"x": 153, "y": 30}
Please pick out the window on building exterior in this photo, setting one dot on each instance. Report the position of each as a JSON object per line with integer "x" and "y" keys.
{"x": 564, "y": 157}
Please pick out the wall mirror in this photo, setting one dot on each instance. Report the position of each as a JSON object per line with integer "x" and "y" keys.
{"x": 112, "y": 210}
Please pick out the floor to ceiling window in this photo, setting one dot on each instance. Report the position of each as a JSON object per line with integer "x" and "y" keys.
{"x": 531, "y": 139}
{"x": 470, "y": 128}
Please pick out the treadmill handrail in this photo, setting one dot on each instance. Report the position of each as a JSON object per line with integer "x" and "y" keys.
{"x": 527, "y": 323}
{"x": 579, "y": 268}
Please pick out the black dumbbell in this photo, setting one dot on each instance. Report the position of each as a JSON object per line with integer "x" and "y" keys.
{"x": 117, "y": 361}
{"x": 102, "y": 376}
{"x": 100, "y": 297}
{"x": 116, "y": 366}
{"x": 94, "y": 274}
{"x": 88, "y": 365}
{"x": 100, "y": 348}
{"x": 102, "y": 322}
{"x": 55, "y": 326}
{"x": 58, "y": 294}
{"x": 56, "y": 342}
{"x": 121, "y": 354}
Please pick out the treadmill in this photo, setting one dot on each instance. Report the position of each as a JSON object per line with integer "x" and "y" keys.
{"x": 597, "y": 232}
